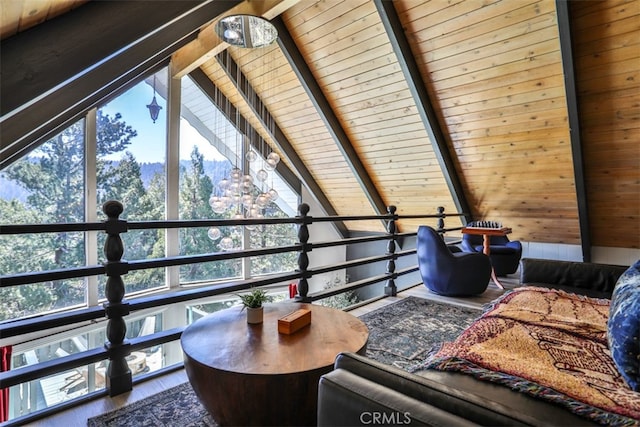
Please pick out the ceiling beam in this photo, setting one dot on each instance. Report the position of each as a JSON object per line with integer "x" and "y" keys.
{"x": 252, "y": 99}
{"x": 323, "y": 107}
{"x": 411, "y": 72}
{"x": 566, "y": 51}
{"x": 53, "y": 73}
{"x": 207, "y": 45}
{"x": 219, "y": 99}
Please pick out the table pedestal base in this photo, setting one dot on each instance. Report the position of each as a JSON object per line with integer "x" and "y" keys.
{"x": 232, "y": 399}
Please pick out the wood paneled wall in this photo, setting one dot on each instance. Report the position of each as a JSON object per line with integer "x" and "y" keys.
{"x": 606, "y": 36}
{"x": 350, "y": 55}
{"x": 277, "y": 85}
{"x": 494, "y": 73}
{"x": 21, "y": 15}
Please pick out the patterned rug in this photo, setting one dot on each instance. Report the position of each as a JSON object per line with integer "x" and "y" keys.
{"x": 177, "y": 406}
{"x": 403, "y": 334}
{"x": 551, "y": 345}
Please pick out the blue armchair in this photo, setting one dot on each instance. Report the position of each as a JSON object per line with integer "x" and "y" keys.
{"x": 505, "y": 254}
{"x": 447, "y": 271}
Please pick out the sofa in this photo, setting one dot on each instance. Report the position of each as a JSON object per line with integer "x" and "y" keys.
{"x": 363, "y": 391}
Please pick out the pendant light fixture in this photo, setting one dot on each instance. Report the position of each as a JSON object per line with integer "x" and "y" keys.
{"x": 154, "y": 108}
{"x": 244, "y": 191}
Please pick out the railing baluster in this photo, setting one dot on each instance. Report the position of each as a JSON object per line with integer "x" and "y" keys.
{"x": 118, "y": 378}
{"x": 441, "y": 216}
{"x": 303, "y": 257}
{"x": 117, "y": 348}
{"x": 391, "y": 289}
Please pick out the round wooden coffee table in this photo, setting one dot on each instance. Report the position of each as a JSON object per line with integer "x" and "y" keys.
{"x": 252, "y": 375}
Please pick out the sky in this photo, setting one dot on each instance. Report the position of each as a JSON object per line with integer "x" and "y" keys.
{"x": 149, "y": 145}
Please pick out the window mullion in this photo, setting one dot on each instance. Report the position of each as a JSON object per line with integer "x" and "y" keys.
{"x": 90, "y": 204}
{"x": 172, "y": 164}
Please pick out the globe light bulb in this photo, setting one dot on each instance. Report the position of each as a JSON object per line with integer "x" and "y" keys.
{"x": 226, "y": 244}
{"x": 269, "y": 165}
{"x": 226, "y": 201}
{"x": 251, "y": 156}
{"x": 273, "y": 194}
{"x": 235, "y": 175}
{"x": 273, "y": 157}
{"x": 234, "y": 187}
{"x": 236, "y": 199}
{"x": 262, "y": 175}
{"x": 262, "y": 200}
{"x": 247, "y": 201}
{"x": 214, "y": 233}
{"x": 219, "y": 207}
{"x": 223, "y": 184}
{"x": 272, "y": 161}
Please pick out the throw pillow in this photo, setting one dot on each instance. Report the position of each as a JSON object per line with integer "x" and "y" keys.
{"x": 623, "y": 326}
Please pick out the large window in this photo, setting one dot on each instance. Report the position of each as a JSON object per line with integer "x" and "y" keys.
{"x": 122, "y": 156}
{"x": 131, "y": 165}
{"x": 118, "y": 152}
{"x": 223, "y": 175}
{"x": 46, "y": 186}
{"x": 63, "y": 386}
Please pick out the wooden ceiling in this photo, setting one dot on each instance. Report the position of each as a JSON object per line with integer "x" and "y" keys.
{"x": 526, "y": 112}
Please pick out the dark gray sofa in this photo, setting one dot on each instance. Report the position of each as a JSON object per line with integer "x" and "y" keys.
{"x": 590, "y": 279}
{"x": 361, "y": 391}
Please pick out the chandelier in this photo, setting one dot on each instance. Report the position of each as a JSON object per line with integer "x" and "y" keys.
{"x": 243, "y": 193}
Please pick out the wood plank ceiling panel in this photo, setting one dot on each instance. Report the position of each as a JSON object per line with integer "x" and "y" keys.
{"x": 17, "y": 16}
{"x": 607, "y": 54}
{"x": 268, "y": 71}
{"x": 494, "y": 70}
{"x": 351, "y": 57}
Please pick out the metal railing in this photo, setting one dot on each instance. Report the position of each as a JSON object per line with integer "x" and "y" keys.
{"x": 117, "y": 308}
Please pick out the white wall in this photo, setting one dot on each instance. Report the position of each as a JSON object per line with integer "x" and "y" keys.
{"x": 323, "y": 232}
{"x": 562, "y": 252}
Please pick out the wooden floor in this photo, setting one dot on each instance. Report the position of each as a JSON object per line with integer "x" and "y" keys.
{"x": 79, "y": 415}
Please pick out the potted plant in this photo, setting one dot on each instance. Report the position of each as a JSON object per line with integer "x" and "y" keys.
{"x": 253, "y": 303}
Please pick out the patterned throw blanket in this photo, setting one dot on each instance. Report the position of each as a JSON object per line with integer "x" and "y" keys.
{"x": 549, "y": 344}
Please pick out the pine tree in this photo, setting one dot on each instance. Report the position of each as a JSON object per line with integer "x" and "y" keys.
{"x": 53, "y": 177}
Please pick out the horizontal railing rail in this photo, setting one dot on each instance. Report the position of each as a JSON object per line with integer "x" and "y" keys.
{"x": 116, "y": 307}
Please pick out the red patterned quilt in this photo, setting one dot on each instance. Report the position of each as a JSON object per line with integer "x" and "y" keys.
{"x": 551, "y": 345}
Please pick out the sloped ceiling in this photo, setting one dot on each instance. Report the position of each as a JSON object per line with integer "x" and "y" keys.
{"x": 535, "y": 108}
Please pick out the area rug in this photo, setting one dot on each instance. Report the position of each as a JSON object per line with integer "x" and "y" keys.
{"x": 551, "y": 345}
{"x": 402, "y": 334}
{"x": 177, "y": 406}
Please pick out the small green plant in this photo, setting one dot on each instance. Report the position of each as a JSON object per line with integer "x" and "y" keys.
{"x": 255, "y": 298}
